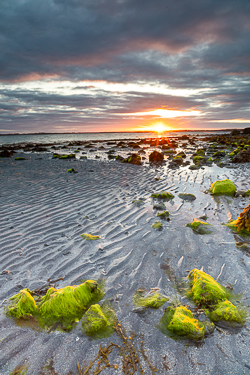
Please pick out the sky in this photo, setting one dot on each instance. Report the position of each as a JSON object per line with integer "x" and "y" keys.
{"x": 124, "y": 65}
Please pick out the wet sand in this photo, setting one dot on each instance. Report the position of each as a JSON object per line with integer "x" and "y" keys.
{"x": 44, "y": 211}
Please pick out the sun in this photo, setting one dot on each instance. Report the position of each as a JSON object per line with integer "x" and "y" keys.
{"x": 159, "y": 128}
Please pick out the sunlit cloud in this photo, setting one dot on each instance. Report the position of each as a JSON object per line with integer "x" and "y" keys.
{"x": 165, "y": 113}
{"x": 236, "y": 120}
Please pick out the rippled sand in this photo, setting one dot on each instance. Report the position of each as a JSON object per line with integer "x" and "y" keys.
{"x": 44, "y": 211}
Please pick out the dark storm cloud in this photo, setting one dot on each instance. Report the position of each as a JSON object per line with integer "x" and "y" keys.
{"x": 181, "y": 43}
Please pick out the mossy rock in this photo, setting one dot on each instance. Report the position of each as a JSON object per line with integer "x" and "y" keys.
{"x": 247, "y": 193}
{"x": 200, "y": 227}
{"x": 169, "y": 152}
{"x": 181, "y": 322}
{"x": 163, "y": 215}
{"x": 77, "y": 151}
{"x": 227, "y": 312}
{"x": 71, "y": 170}
{"x": 224, "y": 187}
{"x": 156, "y": 225}
{"x": 22, "y": 305}
{"x": 68, "y": 304}
{"x": 83, "y": 157}
{"x": 20, "y": 158}
{"x": 204, "y": 290}
{"x": 138, "y": 202}
{"x": 154, "y": 300}
{"x": 163, "y": 195}
{"x": 90, "y": 237}
{"x": 200, "y": 152}
{"x": 198, "y": 159}
{"x": 233, "y": 226}
{"x": 69, "y": 156}
{"x": 194, "y": 167}
{"x": 159, "y": 206}
{"x": 219, "y": 154}
{"x": 209, "y": 160}
{"x": 187, "y": 197}
{"x": 98, "y": 322}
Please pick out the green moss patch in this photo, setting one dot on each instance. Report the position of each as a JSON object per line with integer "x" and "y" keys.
{"x": 68, "y": 304}
{"x": 247, "y": 193}
{"x": 199, "y": 227}
{"x": 156, "y": 225}
{"x": 163, "y": 195}
{"x": 69, "y": 156}
{"x": 98, "y": 322}
{"x": 90, "y": 237}
{"x": 187, "y": 197}
{"x": 197, "y": 159}
{"x": 163, "y": 215}
{"x": 226, "y": 311}
{"x": 138, "y": 202}
{"x": 20, "y": 158}
{"x": 224, "y": 187}
{"x": 154, "y": 300}
{"x": 71, "y": 170}
{"x": 180, "y": 322}
{"x": 204, "y": 290}
{"x": 22, "y": 305}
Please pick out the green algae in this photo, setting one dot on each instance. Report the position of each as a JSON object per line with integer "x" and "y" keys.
{"x": 247, "y": 193}
{"x": 20, "y": 370}
{"x": 219, "y": 154}
{"x": 233, "y": 226}
{"x": 83, "y": 157}
{"x": 20, "y": 158}
{"x": 226, "y": 311}
{"x": 224, "y": 187}
{"x": 204, "y": 290}
{"x": 156, "y": 225}
{"x": 197, "y": 159}
{"x": 200, "y": 152}
{"x": 90, "y": 237}
{"x": 98, "y": 322}
{"x": 187, "y": 197}
{"x": 179, "y": 322}
{"x": 68, "y": 304}
{"x": 22, "y": 305}
{"x": 71, "y": 170}
{"x": 138, "y": 202}
{"x": 163, "y": 195}
{"x": 163, "y": 215}
{"x": 69, "y": 156}
{"x": 199, "y": 227}
{"x": 154, "y": 300}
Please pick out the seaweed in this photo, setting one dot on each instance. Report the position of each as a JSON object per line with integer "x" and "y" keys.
{"x": 163, "y": 195}
{"x": 90, "y": 237}
{"x": 154, "y": 300}
{"x": 199, "y": 227}
{"x": 156, "y": 225}
{"x": 98, "y": 322}
{"x": 226, "y": 311}
{"x": 242, "y": 224}
{"x": 22, "y": 304}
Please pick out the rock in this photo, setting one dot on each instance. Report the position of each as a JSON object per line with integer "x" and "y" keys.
{"x": 242, "y": 224}
{"x": 163, "y": 195}
{"x": 153, "y": 300}
{"x": 187, "y": 197}
{"x": 235, "y": 132}
{"x": 242, "y": 157}
{"x": 156, "y": 157}
{"x": 205, "y": 290}
{"x": 159, "y": 206}
{"x": 157, "y": 225}
{"x": 224, "y": 187}
{"x": 246, "y": 131}
{"x": 6, "y": 154}
{"x": 22, "y": 304}
{"x": 181, "y": 322}
{"x": 133, "y": 159}
{"x": 226, "y": 311}
{"x": 138, "y": 202}
{"x": 199, "y": 227}
{"x": 163, "y": 215}
{"x": 94, "y": 320}
{"x": 20, "y": 158}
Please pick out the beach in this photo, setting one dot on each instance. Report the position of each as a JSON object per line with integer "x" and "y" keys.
{"x": 44, "y": 212}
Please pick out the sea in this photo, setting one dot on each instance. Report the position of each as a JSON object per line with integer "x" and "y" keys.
{"x": 70, "y": 137}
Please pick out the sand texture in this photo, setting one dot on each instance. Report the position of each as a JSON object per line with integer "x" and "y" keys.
{"x": 44, "y": 211}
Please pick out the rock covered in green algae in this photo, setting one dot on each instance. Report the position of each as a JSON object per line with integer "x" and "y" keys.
{"x": 159, "y": 206}
{"x": 90, "y": 237}
{"x": 182, "y": 323}
{"x": 163, "y": 215}
{"x": 226, "y": 311}
{"x": 138, "y": 202}
{"x": 198, "y": 159}
{"x": 156, "y": 157}
{"x": 242, "y": 224}
{"x": 154, "y": 300}
{"x": 204, "y": 289}
{"x": 156, "y": 225}
{"x": 71, "y": 170}
{"x": 69, "y": 303}
{"x": 199, "y": 227}
{"x": 69, "y": 156}
{"x": 22, "y": 304}
{"x": 163, "y": 195}
{"x": 133, "y": 159}
{"x": 219, "y": 154}
{"x": 224, "y": 187}
{"x": 94, "y": 320}
{"x": 20, "y": 158}
{"x": 247, "y": 193}
{"x": 187, "y": 197}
